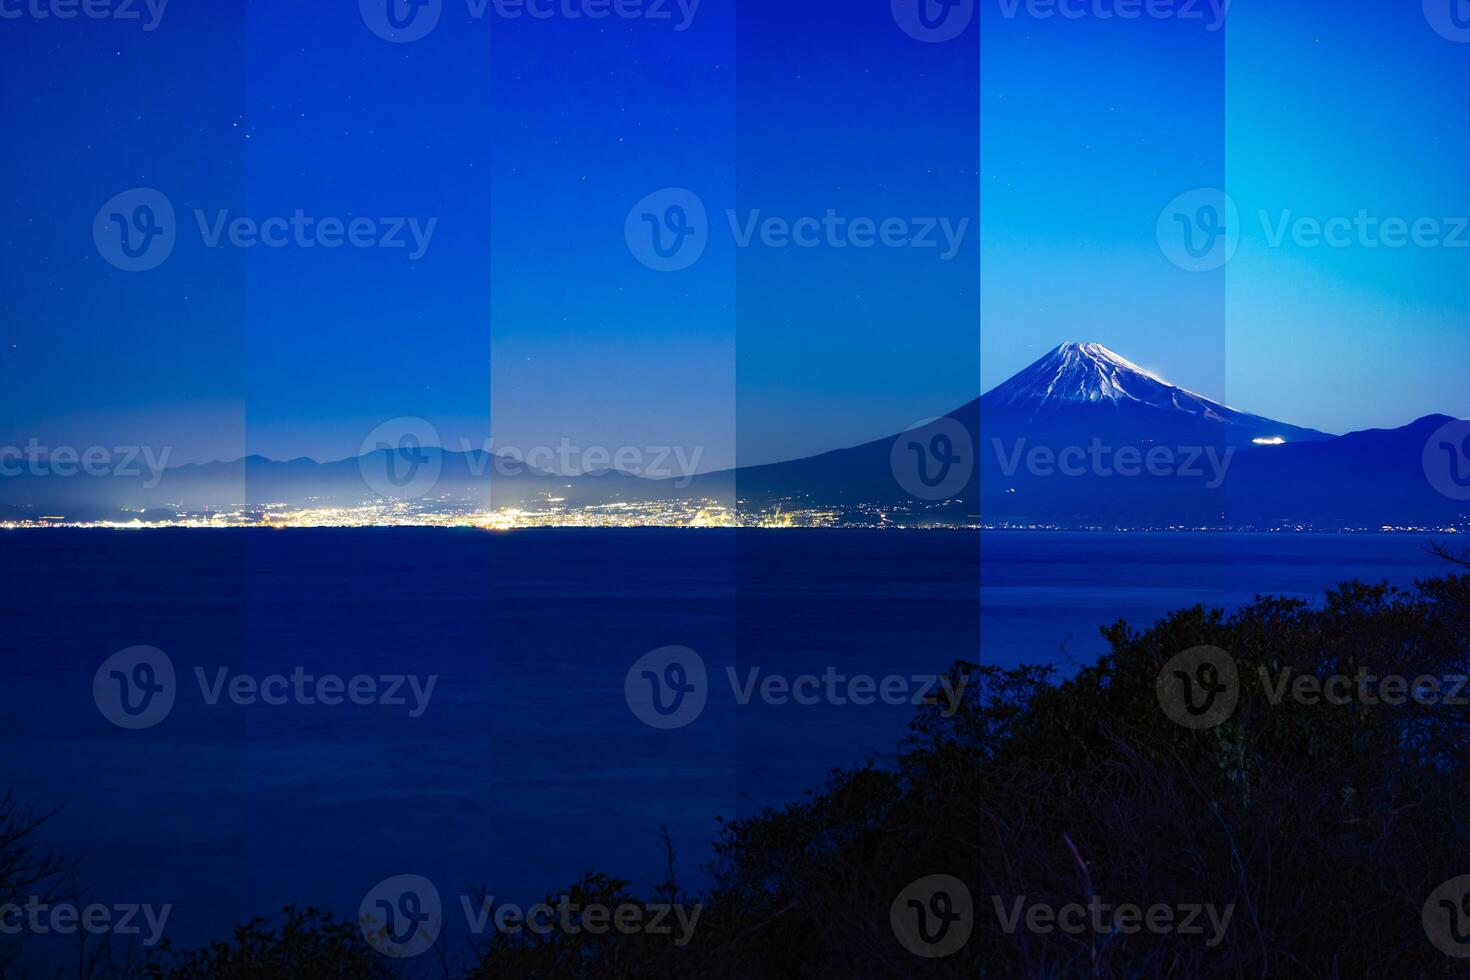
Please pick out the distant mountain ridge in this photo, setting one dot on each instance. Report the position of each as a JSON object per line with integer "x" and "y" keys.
{"x": 1082, "y": 437}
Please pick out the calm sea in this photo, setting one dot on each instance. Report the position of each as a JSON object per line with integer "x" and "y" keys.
{"x": 526, "y": 766}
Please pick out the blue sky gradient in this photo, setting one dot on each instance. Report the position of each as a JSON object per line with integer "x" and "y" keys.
{"x": 1054, "y": 141}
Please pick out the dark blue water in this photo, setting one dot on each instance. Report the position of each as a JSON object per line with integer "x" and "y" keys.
{"x": 527, "y": 767}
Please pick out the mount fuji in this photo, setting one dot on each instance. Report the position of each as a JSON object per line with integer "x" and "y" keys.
{"x": 1076, "y": 396}
{"x": 1084, "y": 437}
{"x": 1085, "y": 391}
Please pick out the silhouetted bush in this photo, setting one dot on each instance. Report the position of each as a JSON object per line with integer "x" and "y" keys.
{"x": 310, "y": 943}
{"x": 1324, "y": 826}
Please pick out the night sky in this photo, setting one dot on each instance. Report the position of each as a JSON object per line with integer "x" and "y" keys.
{"x": 522, "y": 144}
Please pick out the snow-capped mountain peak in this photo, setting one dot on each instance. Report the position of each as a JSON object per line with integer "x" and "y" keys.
{"x": 1084, "y": 377}
{"x": 1083, "y": 373}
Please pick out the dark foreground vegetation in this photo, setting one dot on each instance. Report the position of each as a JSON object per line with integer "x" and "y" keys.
{"x": 1325, "y": 828}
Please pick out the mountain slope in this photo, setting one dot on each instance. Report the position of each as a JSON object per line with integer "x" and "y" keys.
{"x": 1075, "y": 396}
{"x": 1377, "y": 477}
{"x": 1085, "y": 438}
{"x": 1085, "y": 391}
